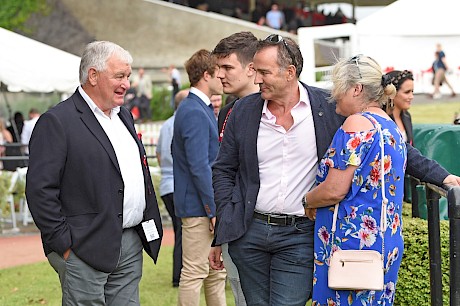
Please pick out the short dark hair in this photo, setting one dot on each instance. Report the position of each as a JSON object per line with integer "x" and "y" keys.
{"x": 200, "y": 62}
{"x": 243, "y": 44}
{"x": 284, "y": 55}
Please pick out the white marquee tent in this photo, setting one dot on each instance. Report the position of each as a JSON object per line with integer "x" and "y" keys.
{"x": 31, "y": 66}
{"x": 403, "y": 35}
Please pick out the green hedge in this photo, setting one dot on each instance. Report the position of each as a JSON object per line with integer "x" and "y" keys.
{"x": 161, "y": 104}
{"x": 413, "y": 287}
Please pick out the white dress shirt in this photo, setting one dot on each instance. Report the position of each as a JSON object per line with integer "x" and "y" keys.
{"x": 287, "y": 159}
{"x": 128, "y": 158}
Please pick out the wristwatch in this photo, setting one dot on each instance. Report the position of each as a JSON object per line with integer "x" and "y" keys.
{"x": 304, "y": 201}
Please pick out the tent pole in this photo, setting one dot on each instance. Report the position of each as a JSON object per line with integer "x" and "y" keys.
{"x": 354, "y": 12}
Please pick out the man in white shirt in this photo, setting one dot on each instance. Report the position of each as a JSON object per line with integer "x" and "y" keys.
{"x": 89, "y": 188}
{"x": 29, "y": 125}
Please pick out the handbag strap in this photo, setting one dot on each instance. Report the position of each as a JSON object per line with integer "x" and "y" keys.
{"x": 383, "y": 213}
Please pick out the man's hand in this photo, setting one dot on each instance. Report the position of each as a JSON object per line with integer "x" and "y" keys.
{"x": 451, "y": 180}
{"x": 215, "y": 258}
{"x": 66, "y": 254}
{"x": 310, "y": 213}
{"x": 212, "y": 224}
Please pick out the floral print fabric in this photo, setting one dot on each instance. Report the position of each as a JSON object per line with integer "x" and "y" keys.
{"x": 358, "y": 222}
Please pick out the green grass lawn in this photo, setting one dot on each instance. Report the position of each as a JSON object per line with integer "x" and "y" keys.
{"x": 436, "y": 112}
{"x": 38, "y": 284}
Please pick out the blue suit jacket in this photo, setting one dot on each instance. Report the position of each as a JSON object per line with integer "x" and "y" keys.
{"x": 194, "y": 149}
{"x": 74, "y": 185}
{"x": 236, "y": 170}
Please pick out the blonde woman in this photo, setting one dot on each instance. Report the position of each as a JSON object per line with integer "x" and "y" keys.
{"x": 349, "y": 174}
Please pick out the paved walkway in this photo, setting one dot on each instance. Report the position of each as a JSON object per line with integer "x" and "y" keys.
{"x": 26, "y": 247}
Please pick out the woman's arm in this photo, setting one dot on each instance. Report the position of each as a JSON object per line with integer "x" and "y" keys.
{"x": 338, "y": 182}
{"x": 332, "y": 190}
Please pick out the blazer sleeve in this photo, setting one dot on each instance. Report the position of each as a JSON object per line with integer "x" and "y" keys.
{"x": 196, "y": 134}
{"x": 423, "y": 168}
{"x": 46, "y": 163}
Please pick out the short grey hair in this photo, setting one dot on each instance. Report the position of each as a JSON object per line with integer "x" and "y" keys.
{"x": 96, "y": 55}
{"x": 364, "y": 70}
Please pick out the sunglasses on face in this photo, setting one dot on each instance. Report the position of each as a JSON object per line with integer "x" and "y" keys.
{"x": 275, "y": 39}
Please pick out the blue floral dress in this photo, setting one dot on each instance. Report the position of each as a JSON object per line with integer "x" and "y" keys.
{"x": 358, "y": 221}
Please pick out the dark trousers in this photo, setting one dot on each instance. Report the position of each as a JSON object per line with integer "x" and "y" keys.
{"x": 144, "y": 108}
{"x": 168, "y": 199}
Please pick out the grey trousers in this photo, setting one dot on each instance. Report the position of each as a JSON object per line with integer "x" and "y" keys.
{"x": 83, "y": 285}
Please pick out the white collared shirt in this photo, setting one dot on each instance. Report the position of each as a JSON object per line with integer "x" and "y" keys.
{"x": 201, "y": 95}
{"x": 287, "y": 159}
{"x": 128, "y": 158}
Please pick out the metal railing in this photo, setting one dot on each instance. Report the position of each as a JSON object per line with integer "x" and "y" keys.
{"x": 433, "y": 194}
{"x": 149, "y": 148}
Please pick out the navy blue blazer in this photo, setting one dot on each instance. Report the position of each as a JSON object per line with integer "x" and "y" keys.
{"x": 236, "y": 172}
{"x": 194, "y": 149}
{"x": 74, "y": 186}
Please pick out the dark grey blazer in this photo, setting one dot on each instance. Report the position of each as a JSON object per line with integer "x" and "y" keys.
{"x": 74, "y": 185}
{"x": 236, "y": 172}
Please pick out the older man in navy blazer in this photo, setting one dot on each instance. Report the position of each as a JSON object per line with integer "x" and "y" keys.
{"x": 89, "y": 188}
{"x": 266, "y": 163}
{"x": 194, "y": 149}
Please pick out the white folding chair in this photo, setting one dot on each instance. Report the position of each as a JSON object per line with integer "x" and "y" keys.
{"x": 11, "y": 218}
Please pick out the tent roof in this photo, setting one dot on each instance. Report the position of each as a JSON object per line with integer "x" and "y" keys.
{"x": 413, "y": 18}
{"x": 31, "y": 66}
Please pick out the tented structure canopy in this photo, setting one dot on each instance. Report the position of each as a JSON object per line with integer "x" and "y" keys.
{"x": 31, "y": 66}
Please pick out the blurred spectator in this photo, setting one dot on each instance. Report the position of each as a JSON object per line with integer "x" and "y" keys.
{"x": 275, "y": 18}
{"x": 258, "y": 14}
{"x": 165, "y": 161}
{"x": 5, "y": 137}
{"x": 440, "y": 68}
{"x": 237, "y": 12}
{"x": 175, "y": 79}
{"x": 29, "y": 125}
{"x": 298, "y": 21}
{"x": 17, "y": 121}
{"x": 216, "y": 101}
{"x": 143, "y": 85}
{"x": 15, "y": 129}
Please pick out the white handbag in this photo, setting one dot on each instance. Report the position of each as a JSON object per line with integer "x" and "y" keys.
{"x": 359, "y": 269}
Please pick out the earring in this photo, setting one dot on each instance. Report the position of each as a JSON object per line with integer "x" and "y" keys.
{"x": 391, "y": 103}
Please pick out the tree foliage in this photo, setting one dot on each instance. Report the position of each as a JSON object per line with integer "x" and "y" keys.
{"x": 15, "y": 13}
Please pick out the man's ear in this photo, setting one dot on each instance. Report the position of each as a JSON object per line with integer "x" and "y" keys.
{"x": 92, "y": 76}
{"x": 206, "y": 76}
{"x": 251, "y": 72}
{"x": 291, "y": 72}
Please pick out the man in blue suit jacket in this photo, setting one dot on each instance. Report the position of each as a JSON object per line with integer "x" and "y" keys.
{"x": 194, "y": 149}
{"x": 266, "y": 163}
{"x": 89, "y": 187}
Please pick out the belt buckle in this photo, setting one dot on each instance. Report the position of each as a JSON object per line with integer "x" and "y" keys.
{"x": 269, "y": 222}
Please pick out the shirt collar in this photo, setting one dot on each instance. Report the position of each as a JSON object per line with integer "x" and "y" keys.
{"x": 303, "y": 99}
{"x": 200, "y": 95}
{"x": 93, "y": 105}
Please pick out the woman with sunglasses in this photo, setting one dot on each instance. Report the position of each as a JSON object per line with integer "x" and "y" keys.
{"x": 399, "y": 106}
{"x": 350, "y": 174}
